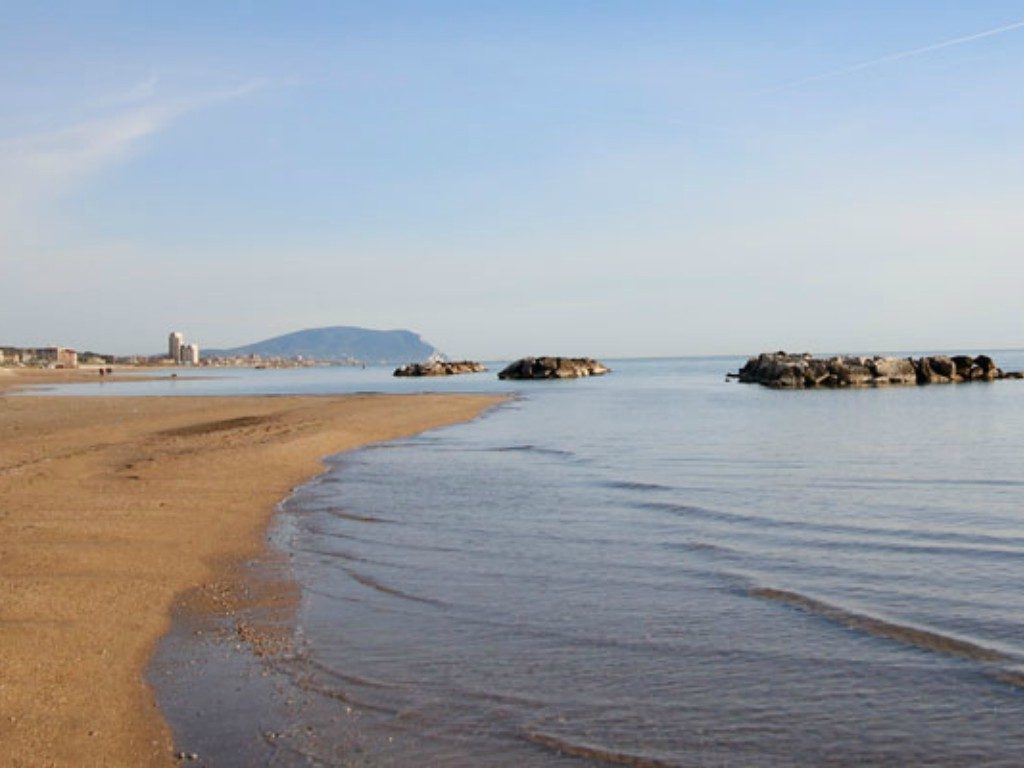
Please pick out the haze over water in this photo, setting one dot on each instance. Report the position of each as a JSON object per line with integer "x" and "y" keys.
{"x": 655, "y": 567}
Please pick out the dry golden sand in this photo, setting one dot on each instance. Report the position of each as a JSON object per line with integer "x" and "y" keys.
{"x": 112, "y": 507}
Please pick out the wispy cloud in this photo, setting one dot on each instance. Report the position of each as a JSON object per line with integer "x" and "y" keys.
{"x": 140, "y": 91}
{"x": 900, "y": 55}
{"x": 38, "y": 168}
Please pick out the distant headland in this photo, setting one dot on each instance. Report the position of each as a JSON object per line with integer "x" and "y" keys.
{"x": 334, "y": 345}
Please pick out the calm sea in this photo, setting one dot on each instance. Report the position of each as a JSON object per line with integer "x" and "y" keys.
{"x": 653, "y": 568}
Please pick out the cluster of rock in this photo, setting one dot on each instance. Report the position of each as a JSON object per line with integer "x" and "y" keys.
{"x": 440, "y": 368}
{"x": 553, "y": 368}
{"x": 788, "y": 371}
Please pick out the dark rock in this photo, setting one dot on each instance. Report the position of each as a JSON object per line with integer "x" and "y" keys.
{"x": 782, "y": 370}
{"x": 775, "y": 369}
{"x": 893, "y": 370}
{"x": 985, "y": 368}
{"x": 440, "y": 368}
{"x": 553, "y": 368}
{"x": 943, "y": 366}
{"x": 935, "y": 370}
{"x": 985, "y": 362}
{"x": 854, "y": 372}
{"x": 964, "y": 364}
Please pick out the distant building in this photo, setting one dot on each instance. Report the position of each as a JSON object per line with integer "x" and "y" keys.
{"x": 174, "y": 344}
{"x": 56, "y": 357}
{"x": 181, "y": 353}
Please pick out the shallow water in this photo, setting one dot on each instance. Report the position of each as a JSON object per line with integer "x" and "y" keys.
{"x": 656, "y": 568}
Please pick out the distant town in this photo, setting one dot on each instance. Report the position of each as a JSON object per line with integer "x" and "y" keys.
{"x": 179, "y": 353}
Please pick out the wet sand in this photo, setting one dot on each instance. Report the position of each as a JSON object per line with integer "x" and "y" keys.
{"x": 23, "y": 378}
{"x": 111, "y": 509}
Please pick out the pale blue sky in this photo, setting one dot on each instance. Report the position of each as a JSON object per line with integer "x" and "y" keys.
{"x": 507, "y": 178}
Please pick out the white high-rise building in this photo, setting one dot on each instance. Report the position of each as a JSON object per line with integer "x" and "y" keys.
{"x": 190, "y": 354}
{"x": 174, "y": 344}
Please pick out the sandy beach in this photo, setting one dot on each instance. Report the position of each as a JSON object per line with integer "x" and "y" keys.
{"x": 111, "y": 509}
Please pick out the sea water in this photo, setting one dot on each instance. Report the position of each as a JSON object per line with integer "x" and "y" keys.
{"x": 656, "y": 567}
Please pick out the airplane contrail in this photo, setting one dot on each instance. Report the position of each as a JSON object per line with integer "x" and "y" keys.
{"x": 902, "y": 55}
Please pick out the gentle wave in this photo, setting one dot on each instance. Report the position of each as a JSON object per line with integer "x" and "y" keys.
{"x": 1001, "y": 543}
{"x": 332, "y": 534}
{"x": 307, "y": 683}
{"x": 872, "y": 625}
{"x": 879, "y": 482}
{"x": 592, "y": 752}
{"x": 700, "y": 546}
{"x": 532, "y": 702}
{"x": 372, "y": 583}
{"x": 1009, "y": 677}
{"x": 530, "y": 448}
{"x": 632, "y": 485}
{"x": 340, "y": 554}
{"x": 303, "y": 660}
{"x": 357, "y": 517}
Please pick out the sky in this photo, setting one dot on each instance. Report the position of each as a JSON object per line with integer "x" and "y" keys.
{"x": 634, "y": 178}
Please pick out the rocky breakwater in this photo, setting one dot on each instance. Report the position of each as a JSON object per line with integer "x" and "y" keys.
{"x": 782, "y": 370}
{"x": 440, "y": 368}
{"x": 553, "y": 368}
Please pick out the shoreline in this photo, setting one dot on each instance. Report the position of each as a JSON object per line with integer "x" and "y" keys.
{"x": 48, "y": 380}
{"x": 115, "y": 510}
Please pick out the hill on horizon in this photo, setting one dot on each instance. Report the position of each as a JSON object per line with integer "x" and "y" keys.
{"x": 338, "y": 343}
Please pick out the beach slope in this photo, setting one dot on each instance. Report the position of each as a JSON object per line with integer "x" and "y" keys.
{"x": 112, "y": 507}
